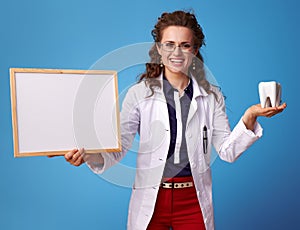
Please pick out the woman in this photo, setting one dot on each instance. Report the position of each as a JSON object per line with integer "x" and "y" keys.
{"x": 178, "y": 116}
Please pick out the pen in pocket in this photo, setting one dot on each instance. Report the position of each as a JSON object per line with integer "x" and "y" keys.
{"x": 205, "y": 141}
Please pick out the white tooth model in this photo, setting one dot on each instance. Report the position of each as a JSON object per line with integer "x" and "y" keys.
{"x": 269, "y": 94}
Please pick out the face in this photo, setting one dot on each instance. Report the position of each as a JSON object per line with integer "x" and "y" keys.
{"x": 177, "y": 49}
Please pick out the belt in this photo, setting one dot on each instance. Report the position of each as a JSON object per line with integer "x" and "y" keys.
{"x": 176, "y": 185}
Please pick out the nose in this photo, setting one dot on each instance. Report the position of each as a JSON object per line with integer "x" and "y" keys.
{"x": 177, "y": 50}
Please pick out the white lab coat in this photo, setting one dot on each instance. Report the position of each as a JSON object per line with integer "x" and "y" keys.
{"x": 149, "y": 117}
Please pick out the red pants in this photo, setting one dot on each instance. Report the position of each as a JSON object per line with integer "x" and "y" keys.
{"x": 177, "y": 209}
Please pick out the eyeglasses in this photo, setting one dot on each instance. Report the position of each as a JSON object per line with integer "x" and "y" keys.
{"x": 170, "y": 47}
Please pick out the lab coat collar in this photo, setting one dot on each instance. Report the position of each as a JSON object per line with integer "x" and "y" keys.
{"x": 198, "y": 90}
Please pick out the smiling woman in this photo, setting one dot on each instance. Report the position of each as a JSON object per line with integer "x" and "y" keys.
{"x": 179, "y": 116}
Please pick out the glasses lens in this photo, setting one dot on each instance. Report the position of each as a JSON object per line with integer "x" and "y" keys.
{"x": 170, "y": 47}
{"x": 186, "y": 46}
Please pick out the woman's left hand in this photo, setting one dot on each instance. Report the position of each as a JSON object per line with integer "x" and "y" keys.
{"x": 255, "y": 111}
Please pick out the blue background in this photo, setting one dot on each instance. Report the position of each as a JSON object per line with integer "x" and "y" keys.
{"x": 247, "y": 42}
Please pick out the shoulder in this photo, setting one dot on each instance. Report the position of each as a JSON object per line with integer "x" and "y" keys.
{"x": 137, "y": 92}
{"x": 217, "y": 97}
{"x": 139, "y": 89}
{"x": 213, "y": 95}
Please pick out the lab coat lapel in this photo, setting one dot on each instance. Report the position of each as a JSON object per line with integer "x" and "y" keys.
{"x": 197, "y": 92}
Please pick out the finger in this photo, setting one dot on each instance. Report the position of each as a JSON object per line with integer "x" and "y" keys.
{"x": 69, "y": 155}
{"x": 284, "y": 104}
{"x": 270, "y": 111}
{"x": 282, "y": 107}
{"x": 76, "y": 156}
{"x": 271, "y": 114}
{"x": 78, "y": 161}
{"x": 81, "y": 151}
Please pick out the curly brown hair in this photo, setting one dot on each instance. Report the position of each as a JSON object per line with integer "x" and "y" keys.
{"x": 154, "y": 69}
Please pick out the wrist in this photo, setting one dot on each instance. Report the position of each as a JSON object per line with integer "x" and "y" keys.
{"x": 249, "y": 119}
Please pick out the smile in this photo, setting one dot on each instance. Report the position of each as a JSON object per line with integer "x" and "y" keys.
{"x": 177, "y": 61}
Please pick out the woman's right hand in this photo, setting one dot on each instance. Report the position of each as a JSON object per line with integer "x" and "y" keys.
{"x": 75, "y": 157}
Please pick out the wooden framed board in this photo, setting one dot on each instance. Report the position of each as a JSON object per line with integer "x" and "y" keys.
{"x": 56, "y": 110}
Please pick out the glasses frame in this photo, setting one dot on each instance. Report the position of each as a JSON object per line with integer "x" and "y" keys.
{"x": 180, "y": 46}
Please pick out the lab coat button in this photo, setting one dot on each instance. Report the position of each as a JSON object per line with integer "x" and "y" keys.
{"x": 193, "y": 165}
{"x": 189, "y": 135}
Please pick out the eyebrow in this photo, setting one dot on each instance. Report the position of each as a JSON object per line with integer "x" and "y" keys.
{"x": 180, "y": 43}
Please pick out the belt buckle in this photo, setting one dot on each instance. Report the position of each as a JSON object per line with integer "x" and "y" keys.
{"x": 177, "y": 185}
{"x": 166, "y": 185}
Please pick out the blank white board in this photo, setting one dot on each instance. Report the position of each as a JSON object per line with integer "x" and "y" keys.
{"x": 55, "y": 110}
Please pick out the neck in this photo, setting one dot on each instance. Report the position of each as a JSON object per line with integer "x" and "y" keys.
{"x": 179, "y": 81}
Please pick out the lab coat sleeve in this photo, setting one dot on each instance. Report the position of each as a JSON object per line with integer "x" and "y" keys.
{"x": 231, "y": 144}
{"x": 129, "y": 125}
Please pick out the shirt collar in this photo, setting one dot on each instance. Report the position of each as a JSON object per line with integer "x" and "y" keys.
{"x": 197, "y": 90}
{"x": 167, "y": 87}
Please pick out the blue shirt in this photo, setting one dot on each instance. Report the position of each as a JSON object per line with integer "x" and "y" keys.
{"x": 182, "y": 168}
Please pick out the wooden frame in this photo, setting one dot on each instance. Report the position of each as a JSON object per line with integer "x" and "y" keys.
{"x": 56, "y": 110}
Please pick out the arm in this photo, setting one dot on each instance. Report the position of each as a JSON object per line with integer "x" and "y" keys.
{"x": 231, "y": 144}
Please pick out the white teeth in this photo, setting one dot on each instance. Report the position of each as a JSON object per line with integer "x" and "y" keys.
{"x": 177, "y": 60}
{"x": 269, "y": 94}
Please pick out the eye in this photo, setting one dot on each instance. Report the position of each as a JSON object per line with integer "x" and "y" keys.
{"x": 186, "y": 46}
{"x": 169, "y": 45}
